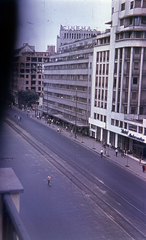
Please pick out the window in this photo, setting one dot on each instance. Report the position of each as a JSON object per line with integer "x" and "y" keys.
{"x": 94, "y": 115}
{"x": 117, "y": 123}
{"x": 39, "y": 76}
{"x": 121, "y": 22}
{"x": 136, "y": 65}
{"x": 133, "y": 127}
{"x": 134, "y": 95}
{"x": 121, "y": 124}
{"x": 26, "y": 82}
{"x": 140, "y": 129}
{"x": 134, "y": 80}
{"x": 137, "y": 3}
{"x": 122, "y": 6}
{"x": 143, "y": 20}
{"x": 131, "y": 5}
{"x": 112, "y": 10}
{"x": 125, "y": 125}
{"x": 112, "y": 122}
{"x": 136, "y": 21}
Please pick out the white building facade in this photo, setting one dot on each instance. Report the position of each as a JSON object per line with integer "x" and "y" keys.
{"x": 67, "y": 84}
{"x": 118, "y": 103}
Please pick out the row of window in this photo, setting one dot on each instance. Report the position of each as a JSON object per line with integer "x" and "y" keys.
{"x": 128, "y": 126}
{"x": 30, "y": 76}
{"x": 102, "y": 56}
{"x": 67, "y": 77}
{"x": 66, "y": 107}
{"x": 34, "y": 88}
{"x": 131, "y": 34}
{"x": 102, "y": 69}
{"x": 100, "y": 104}
{"x": 67, "y": 66}
{"x": 29, "y": 71}
{"x": 37, "y": 59}
{"x": 33, "y": 82}
{"x": 100, "y": 117}
{"x": 66, "y": 97}
{"x": 133, "y": 21}
{"x": 77, "y": 35}
{"x": 66, "y": 87}
{"x": 133, "y": 4}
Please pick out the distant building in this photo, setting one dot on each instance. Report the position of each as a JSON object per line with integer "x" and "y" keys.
{"x": 50, "y": 49}
{"x": 71, "y": 34}
{"x": 118, "y": 104}
{"x": 27, "y": 70}
{"x": 67, "y": 84}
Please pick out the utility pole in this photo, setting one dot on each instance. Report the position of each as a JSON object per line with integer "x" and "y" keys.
{"x": 76, "y": 116}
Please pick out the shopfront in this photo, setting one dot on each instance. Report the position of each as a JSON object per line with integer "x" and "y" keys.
{"x": 139, "y": 150}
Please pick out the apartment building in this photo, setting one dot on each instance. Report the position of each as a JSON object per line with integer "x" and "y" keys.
{"x": 27, "y": 70}
{"x": 118, "y": 103}
{"x": 67, "y": 84}
{"x": 74, "y": 33}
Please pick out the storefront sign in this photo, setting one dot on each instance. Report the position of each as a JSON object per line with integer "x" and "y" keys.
{"x": 124, "y": 131}
{"x": 132, "y": 135}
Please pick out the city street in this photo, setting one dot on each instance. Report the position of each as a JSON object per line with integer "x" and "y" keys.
{"x": 63, "y": 211}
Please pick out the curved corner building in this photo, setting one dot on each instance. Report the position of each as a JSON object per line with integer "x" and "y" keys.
{"x": 118, "y": 104}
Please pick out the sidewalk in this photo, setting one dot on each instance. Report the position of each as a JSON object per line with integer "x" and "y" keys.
{"x": 128, "y": 162}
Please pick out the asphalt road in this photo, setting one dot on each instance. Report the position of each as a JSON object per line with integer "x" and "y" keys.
{"x": 63, "y": 211}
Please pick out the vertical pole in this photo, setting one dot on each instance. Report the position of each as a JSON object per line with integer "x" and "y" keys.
{"x": 76, "y": 116}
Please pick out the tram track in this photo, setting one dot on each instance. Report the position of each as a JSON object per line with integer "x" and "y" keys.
{"x": 92, "y": 187}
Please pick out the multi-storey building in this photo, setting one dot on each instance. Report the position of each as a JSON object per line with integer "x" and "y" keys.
{"x": 27, "y": 70}
{"x": 118, "y": 104}
{"x": 67, "y": 83}
{"x": 71, "y": 34}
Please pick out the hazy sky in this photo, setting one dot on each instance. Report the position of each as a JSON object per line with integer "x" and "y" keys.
{"x": 39, "y": 20}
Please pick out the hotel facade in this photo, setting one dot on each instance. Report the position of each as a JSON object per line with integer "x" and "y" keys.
{"x": 118, "y": 102}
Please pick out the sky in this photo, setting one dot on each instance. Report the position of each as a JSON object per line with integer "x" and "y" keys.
{"x": 39, "y": 20}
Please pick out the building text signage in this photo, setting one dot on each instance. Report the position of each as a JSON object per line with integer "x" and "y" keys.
{"x": 132, "y": 135}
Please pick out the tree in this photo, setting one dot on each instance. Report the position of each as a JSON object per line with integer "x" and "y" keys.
{"x": 27, "y": 98}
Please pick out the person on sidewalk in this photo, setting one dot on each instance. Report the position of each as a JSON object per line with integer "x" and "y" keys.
{"x": 116, "y": 151}
{"x": 49, "y": 180}
{"x": 140, "y": 161}
{"x": 101, "y": 153}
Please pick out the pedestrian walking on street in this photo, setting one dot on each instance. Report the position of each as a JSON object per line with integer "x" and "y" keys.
{"x": 143, "y": 167}
{"x": 101, "y": 153}
{"x": 116, "y": 151}
{"x": 140, "y": 161}
{"x": 49, "y": 180}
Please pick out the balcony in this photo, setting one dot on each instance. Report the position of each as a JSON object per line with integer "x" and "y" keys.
{"x": 11, "y": 226}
